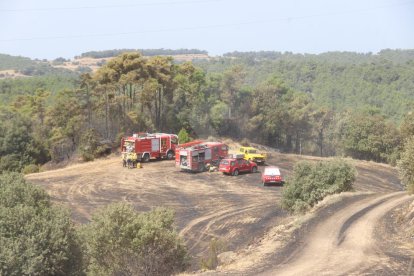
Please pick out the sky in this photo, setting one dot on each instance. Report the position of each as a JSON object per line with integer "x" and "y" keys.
{"x": 47, "y": 29}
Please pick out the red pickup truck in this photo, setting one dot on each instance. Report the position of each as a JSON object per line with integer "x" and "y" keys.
{"x": 234, "y": 166}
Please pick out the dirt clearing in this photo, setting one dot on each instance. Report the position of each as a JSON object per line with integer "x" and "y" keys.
{"x": 236, "y": 210}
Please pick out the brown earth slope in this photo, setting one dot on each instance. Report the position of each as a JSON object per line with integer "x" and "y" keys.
{"x": 236, "y": 210}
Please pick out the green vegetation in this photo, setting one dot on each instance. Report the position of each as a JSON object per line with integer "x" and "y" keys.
{"x": 19, "y": 146}
{"x": 311, "y": 182}
{"x": 363, "y": 135}
{"x": 36, "y": 238}
{"x": 29, "y": 67}
{"x": 120, "y": 241}
{"x": 332, "y": 104}
{"x": 183, "y": 136}
{"x": 406, "y": 165}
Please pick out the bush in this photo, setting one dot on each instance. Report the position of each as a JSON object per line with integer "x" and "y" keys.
{"x": 89, "y": 144}
{"x": 32, "y": 168}
{"x": 183, "y": 136}
{"x": 406, "y": 165}
{"x": 36, "y": 238}
{"x": 215, "y": 248}
{"x": 311, "y": 182}
{"x": 120, "y": 241}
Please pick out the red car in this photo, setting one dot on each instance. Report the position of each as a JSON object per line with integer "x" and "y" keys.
{"x": 272, "y": 175}
{"x": 234, "y": 166}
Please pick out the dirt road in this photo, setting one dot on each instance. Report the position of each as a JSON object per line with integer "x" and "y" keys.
{"x": 236, "y": 210}
{"x": 345, "y": 242}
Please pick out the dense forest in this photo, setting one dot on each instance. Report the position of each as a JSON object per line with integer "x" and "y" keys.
{"x": 336, "y": 103}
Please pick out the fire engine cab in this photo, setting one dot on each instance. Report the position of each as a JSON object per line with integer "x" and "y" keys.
{"x": 149, "y": 145}
{"x": 195, "y": 156}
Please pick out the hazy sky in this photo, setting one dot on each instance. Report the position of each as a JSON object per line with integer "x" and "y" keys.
{"x": 51, "y": 29}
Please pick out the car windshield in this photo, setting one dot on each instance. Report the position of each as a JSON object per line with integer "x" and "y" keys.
{"x": 252, "y": 151}
{"x": 224, "y": 162}
{"x": 272, "y": 171}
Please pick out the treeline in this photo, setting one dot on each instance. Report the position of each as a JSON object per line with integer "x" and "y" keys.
{"x": 145, "y": 52}
{"x": 394, "y": 56}
{"x": 304, "y": 107}
{"x": 336, "y": 81}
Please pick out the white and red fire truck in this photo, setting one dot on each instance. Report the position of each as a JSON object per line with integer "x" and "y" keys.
{"x": 149, "y": 145}
{"x": 195, "y": 156}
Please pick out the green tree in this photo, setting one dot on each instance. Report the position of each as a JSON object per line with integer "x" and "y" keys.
{"x": 66, "y": 121}
{"x": 218, "y": 116}
{"x": 89, "y": 145}
{"x": 18, "y": 147}
{"x": 233, "y": 79}
{"x": 407, "y": 125}
{"x": 36, "y": 238}
{"x": 406, "y": 165}
{"x": 183, "y": 136}
{"x": 120, "y": 241}
{"x": 368, "y": 136}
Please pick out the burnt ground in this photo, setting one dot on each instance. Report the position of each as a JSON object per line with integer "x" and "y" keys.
{"x": 236, "y": 210}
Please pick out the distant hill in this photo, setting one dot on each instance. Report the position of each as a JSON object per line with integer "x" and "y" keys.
{"x": 394, "y": 56}
{"x": 144, "y": 52}
{"x": 17, "y": 66}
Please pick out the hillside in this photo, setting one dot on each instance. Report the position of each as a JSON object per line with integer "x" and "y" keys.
{"x": 335, "y": 80}
{"x": 87, "y": 63}
{"x": 236, "y": 210}
{"x": 12, "y": 67}
{"x": 324, "y": 105}
{"x": 17, "y": 66}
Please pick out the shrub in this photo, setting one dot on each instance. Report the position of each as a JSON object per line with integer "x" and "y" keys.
{"x": 406, "y": 165}
{"x": 183, "y": 136}
{"x": 32, "y": 168}
{"x": 215, "y": 248}
{"x": 311, "y": 182}
{"x": 36, "y": 238}
{"x": 119, "y": 241}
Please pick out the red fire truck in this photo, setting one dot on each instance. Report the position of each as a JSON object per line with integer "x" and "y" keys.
{"x": 196, "y": 156}
{"x": 149, "y": 145}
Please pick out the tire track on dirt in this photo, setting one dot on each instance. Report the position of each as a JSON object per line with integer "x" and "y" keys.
{"x": 207, "y": 205}
{"x": 214, "y": 218}
{"x": 343, "y": 243}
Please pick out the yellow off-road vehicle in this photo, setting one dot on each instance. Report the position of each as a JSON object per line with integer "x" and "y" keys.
{"x": 253, "y": 154}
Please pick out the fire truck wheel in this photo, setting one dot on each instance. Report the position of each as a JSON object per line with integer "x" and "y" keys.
{"x": 146, "y": 157}
{"x": 236, "y": 172}
{"x": 170, "y": 155}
